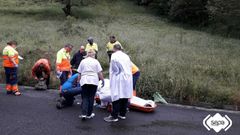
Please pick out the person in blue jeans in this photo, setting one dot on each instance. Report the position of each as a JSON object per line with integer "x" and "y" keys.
{"x": 69, "y": 90}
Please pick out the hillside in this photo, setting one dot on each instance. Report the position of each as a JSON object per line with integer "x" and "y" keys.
{"x": 182, "y": 64}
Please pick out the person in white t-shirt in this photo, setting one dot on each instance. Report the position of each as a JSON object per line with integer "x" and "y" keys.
{"x": 90, "y": 71}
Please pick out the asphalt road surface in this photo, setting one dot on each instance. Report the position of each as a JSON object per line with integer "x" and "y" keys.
{"x": 34, "y": 113}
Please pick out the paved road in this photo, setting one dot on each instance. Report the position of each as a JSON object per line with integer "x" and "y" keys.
{"x": 34, "y": 113}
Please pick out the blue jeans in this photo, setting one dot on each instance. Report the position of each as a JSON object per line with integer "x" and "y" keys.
{"x": 135, "y": 78}
{"x": 72, "y": 92}
{"x": 11, "y": 75}
{"x": 69, "y": 95}
{"x": 88, "y": 94}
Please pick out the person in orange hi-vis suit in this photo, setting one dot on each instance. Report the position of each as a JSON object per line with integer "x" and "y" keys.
{"x": 10, "y": 64}
{"x": 41, "y": 70}
{"x": 63, "y": 66}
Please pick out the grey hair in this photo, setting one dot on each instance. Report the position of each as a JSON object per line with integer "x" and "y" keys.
{"x": 91, "y": 53}
{"x": 117, "y": 47}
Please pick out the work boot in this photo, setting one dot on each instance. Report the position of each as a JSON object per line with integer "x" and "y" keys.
{"x": 60, "y": 104}
{"x": 9, "y": 92}
{"x": 17, "y": 93}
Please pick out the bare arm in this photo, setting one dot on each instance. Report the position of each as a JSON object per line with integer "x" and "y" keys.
{"x": 79, "y": 78}
{"x": 12, "y": 60}
{"x": 100, "y": 75}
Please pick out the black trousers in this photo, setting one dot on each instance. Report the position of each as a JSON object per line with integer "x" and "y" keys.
{"x": 119, "y": 107}
{"x": 109, "y": 55}
{"x": 88, "y": 94}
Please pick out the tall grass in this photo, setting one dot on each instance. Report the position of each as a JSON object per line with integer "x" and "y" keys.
{"x": 181, "y": 64}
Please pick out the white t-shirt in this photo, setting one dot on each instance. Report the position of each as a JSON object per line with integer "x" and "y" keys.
{"x": 89, "y": 69}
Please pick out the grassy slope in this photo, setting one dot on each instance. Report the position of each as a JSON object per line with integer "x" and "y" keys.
{"x": 179, "y": 63}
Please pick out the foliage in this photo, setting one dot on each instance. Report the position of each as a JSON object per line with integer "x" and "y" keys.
{"x": 224, "y": 16}
{"x": 193, "y": 12}
{"x": 221, "y": 17}
{"x": 185, "y": 65}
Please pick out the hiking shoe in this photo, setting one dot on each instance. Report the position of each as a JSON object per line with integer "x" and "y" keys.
{"x": 91, "y": 116}
{"x": 83, "y": 117}
{"x": 122, "y": 117}
{"x": 110, "y": 119}
{"x": 59, "y": 105}
{"x": 17, "y": 93}
{"x": 9, "y": 92}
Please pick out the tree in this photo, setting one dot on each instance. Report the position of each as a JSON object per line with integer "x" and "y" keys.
{"x": 67, "y": 8}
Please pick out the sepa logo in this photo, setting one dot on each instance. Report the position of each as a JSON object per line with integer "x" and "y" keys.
{"x": 217, "y": 122}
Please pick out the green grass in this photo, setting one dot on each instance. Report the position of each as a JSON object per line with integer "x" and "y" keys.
{"x": 187, "y": 65}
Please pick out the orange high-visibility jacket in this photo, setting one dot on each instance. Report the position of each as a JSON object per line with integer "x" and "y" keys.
{"x": 63, "y": 60}
{"x": 135, "y": 69}
{"x": 47, "y": 67}
{"x": 8, "y": 53}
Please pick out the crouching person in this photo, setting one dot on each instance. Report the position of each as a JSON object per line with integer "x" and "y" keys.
{"x": 68, "y": 92}
{"x": 41, "y": 72}
{"x": 90, "y": 72}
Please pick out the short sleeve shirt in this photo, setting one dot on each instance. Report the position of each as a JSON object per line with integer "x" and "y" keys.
{"x": 89, "y": 69}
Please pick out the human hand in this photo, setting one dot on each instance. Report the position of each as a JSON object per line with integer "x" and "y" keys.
{"x": 16, "y": 65}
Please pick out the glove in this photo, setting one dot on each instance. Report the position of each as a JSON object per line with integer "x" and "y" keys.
{"x": 102, "y": 83}
{"x": 16, "y": 65}
{"x": 59, "y": 73}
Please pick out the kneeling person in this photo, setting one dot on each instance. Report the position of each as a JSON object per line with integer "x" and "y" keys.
{"x": 68, "y": 92}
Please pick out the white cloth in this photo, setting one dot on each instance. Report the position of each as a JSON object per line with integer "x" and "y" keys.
{"x": 104, "y": 92}
{"x": 105, "y": 97}
{"x": 120, "y": 74}
{"x": 89, "y": 69}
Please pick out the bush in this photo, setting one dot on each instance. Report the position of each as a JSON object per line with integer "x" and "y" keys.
{"x": 193, "y": 12}
{"x": 164, "y": 6}
{"x": 224, "y": 16}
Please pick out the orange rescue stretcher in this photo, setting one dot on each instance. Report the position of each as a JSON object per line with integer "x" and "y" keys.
{"x": 136, "y": 103}
{"x": 143, "y": 105}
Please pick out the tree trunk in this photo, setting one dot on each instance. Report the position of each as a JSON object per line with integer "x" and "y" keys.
{"x": 67, "y": 8}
